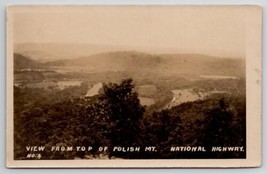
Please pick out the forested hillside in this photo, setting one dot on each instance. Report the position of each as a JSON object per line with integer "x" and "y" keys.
{"x": 115, "y": 118}
{"x": 23, "y": 62}
{"x": 164, "y": 65}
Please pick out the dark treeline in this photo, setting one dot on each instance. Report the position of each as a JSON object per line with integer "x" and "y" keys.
{"x": 115, "y": 117}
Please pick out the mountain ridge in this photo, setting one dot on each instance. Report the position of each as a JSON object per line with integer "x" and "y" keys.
{"x": 167, "y": 64}
{"x": 23, "y": 62}
{"x": 163, "y": 64}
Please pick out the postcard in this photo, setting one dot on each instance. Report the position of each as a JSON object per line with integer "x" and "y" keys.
{"x": 133, "y": 86}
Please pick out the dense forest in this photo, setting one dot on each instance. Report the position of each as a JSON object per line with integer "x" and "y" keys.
{"x": 115, "y": 118}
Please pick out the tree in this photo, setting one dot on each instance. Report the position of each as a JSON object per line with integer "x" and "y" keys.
{"x": 218, "y": 129}
{"x": 124, "y": 112}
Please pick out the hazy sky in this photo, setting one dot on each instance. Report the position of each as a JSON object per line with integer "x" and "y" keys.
{"x": 206, "y": 30}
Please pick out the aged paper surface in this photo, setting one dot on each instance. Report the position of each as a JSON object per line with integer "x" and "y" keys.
{"x": 134, "y": 86}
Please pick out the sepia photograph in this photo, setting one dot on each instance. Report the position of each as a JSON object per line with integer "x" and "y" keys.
{"x": 126, "y": 86}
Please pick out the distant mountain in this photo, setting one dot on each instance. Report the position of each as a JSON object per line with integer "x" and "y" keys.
{"x": 112, "y": 61}
{"x": 22, "y": 62}
{"x": 44, "y": 52}
{"x": 205, "y": 65}
{"x": 168, "y": 64}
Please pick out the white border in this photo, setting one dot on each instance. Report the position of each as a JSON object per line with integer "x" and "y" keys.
{"x": 253, "y": 87}
{"x": 2, "y": 78}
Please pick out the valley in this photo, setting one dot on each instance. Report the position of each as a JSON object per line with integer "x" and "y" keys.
{"x": 164, "y": 81}
{"x": 131, "y": 96}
